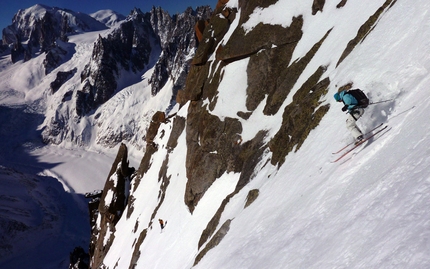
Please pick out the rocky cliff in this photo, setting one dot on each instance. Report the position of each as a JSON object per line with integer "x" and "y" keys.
{"x": 214, "y": 144}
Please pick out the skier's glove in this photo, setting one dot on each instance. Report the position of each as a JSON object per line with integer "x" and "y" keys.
{"x": 344, "y": 108}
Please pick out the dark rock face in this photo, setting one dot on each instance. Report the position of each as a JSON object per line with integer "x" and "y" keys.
{"x": 79, "y": 259}
{"x": 215, "y": 240}
{"x": 318, "y": 5}
{"x": 103, "y": 74}
{"x": 112, "y": 204}
{"x": 207, "y": 134}
{"x": 19, "y": 52}
{"x": 214, "y": 146}
{"x": 158, "y": 118}
{"x": 53, "y": 58}
{"x": 93, "y": 205}
{"x": 61, "y": 78}
{"x": 341, "y": 3}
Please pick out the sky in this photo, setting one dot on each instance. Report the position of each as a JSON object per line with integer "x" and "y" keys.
{"x": 10, "y": 7}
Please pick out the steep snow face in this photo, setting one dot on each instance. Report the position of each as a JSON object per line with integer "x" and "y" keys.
{"x": 368, "y": 211}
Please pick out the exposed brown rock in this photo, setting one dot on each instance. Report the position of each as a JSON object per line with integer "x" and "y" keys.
{"x": 210, "y": 142}
{"x": 180, "y": 98}
{"x": 341, "y": 4}
{"x": 212, "y": 35}
{"x": 300, "y": 117}
{"x": 252, "y": 196}
{"x": 177, "y": 130}
{"x": 288, "y": 78}
{"x": 266, "y": 70}
{"x": 250, "y": 155}
{"x": 144, "y": 166}
{"x": 199, "y": 28}
{"x": 317, "y": 5}
{"x": 220, "y": 5}
{"x": 229, "y": 14}
{"x": 158, "y": 118}
{"x": 136, "y": 252}
{"x": 196, "y": 79}
{"x": 111, "y": 207}
{"x": 215, "y": 240}
{"x": 210, "y": 87}
{"x": 248, "y": 7}
{"x": 346, "y": 87}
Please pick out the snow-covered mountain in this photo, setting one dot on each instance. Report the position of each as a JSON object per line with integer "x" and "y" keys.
{"x": 108, "y": 17}
{"x": 37, "y": 28}
{"x": 239, "y": 165}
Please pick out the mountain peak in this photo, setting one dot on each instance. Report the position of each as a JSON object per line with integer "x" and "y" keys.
{"x": 108, "y": 17}
{"x": 37, "y": 28}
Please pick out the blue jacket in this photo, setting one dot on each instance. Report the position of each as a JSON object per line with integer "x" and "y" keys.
{"x": 348, "y": 100}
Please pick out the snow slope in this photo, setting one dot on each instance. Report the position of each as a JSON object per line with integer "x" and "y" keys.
{"x": 370, "y": 210}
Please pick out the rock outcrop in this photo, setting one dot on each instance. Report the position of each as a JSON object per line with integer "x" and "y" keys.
{"x": 61, "y": 78}
{"x": 54, "y": 57}
{"x": 112, "y": 204}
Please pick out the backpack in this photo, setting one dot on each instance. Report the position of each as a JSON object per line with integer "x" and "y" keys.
{"x": 361, "y": 97}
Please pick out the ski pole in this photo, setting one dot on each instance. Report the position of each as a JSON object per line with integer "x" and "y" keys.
{"x": 372, "y": 103}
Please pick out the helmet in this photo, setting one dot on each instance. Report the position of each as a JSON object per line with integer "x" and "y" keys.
{"x": 337, "y": 97}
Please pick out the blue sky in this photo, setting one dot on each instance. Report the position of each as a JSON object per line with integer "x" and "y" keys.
{"x": 8, "y": 8}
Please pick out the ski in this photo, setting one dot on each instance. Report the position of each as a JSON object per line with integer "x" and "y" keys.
{"x": 354, "y": 141}
{"x": 360, "y": 143}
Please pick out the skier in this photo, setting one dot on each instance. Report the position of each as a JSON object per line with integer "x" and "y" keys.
{"x": 162, "y": 225}
{"x": 355, "y": 111}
